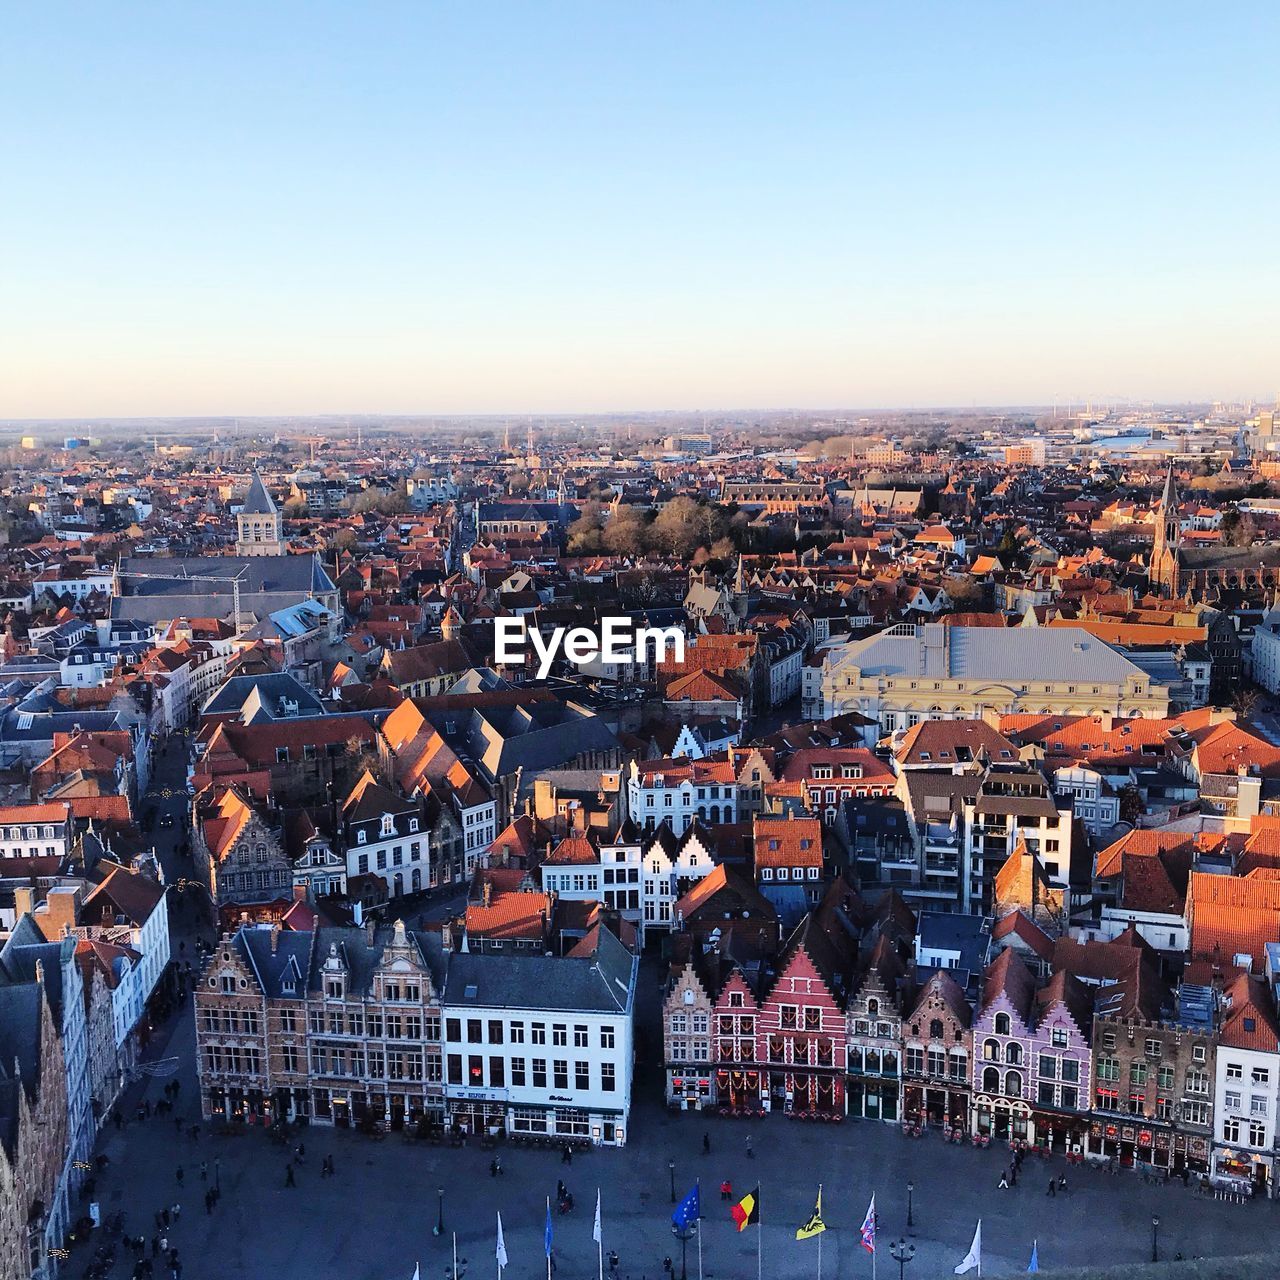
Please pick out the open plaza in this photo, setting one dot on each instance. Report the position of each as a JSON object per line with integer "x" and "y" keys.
{"x": 375, "y": 1217}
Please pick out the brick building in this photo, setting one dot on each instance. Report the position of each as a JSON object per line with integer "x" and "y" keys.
{"x": 339, "y": 1025}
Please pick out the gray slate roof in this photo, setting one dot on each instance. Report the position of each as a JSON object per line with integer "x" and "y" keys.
{"x": 603, "y": 983}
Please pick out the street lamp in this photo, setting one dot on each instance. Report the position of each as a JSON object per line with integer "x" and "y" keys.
{"x": 911, "y": 1222}
{"x": 684, "y": 1235}
{"x": 1155, "y": 1238}
{"x": 439, "y": 1227}
{"x": 671, "y": 1168}
{"x": 902, "y": 1253}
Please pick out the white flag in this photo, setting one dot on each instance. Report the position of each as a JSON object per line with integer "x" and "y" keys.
{"x": 595, "y": 1231}
{"x": 974, "y": 1257}
{"x": 502, "y": 1248}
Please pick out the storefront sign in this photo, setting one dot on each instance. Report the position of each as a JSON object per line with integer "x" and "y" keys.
{"x": 477, "y": 1095}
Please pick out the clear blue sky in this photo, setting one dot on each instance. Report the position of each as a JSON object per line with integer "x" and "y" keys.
{"x": 279, "y": 207}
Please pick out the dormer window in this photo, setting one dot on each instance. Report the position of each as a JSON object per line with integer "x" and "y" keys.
{"x": 413, "y": 824}
{"x": 388, "y": 824}
{"x": 362, "y": 837}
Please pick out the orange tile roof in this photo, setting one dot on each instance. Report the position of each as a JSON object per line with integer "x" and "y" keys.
{"x": 1233, "y": 915}
{"x": 788, "y": 842}
{"x": 510, "y": 916}
{"x": 574, "y": 850}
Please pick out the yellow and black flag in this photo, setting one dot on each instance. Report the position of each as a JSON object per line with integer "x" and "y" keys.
{"x": 815, "y": 1226}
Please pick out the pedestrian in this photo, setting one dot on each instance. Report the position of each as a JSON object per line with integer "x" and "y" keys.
{"x": 176, "y": 1211}
{"x": 164, "y": 1244}
{"x": 561, "y": 1189}
{"x": 551, "y": 1258}
{"x": 155, "y": 1246}
{"x": 706, "y": 1144}
{"x": 164, "y": 1219}
{"x": 566, "y": 1156}
{"x": 1062, "y": 1183}
{"x": 726, "y": 1190}
{"x": 204, "y": 1170}
{"x": 667, "y": 1266}
{"x": 161, "y": 1221}
{"x": 179, "y": 1175}
{"x": 751, "y": 1155}
{"x": 1004, "y": 1181}
{"x": 288, "y": 1176}
{"x": 1013, "y": 1174}
{"x": 1053, "y": 1188}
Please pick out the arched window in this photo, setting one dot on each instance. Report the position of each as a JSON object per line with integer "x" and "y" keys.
{"x": 991, "y": 1080}
{"x": 991, "y": 1050}
{"x": 417, "y": 880}
{"x": 873, "y": 1008}
{"x": 398, "y": 884}
{"x": 935, "y": 1029}
{"x": 1013, "y": 1084}
{"x": 1013, "y": 1053}
{"x": 1002, "y": 1024}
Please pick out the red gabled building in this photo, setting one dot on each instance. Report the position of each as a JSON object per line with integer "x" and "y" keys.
{"x": 801, "y": 1028}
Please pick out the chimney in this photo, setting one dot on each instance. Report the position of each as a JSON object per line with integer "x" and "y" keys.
{"x": 61, "y": 906}
{"x": 275, "y": 936}
{"x": 24, "y": 901}
{"x": 370, "y": 928}
{"x": 488, "y": 893}
{"x": 300, "y": 893}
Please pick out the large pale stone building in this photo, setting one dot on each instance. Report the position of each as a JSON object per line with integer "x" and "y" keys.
{"x": 912, "y": 673}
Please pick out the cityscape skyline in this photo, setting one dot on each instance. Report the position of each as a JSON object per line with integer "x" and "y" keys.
{"x": 568, "y": 210}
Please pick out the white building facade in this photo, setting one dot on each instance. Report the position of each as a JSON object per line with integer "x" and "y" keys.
{"x": 541, "y": 1046}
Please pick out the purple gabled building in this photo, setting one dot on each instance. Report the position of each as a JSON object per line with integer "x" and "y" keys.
{"x": 1003, "y": 1033}
{"x": 1031, "y": 1057}
{"x": 1060, "y": 1107}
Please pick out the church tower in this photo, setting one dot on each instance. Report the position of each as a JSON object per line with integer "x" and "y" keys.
{"x": 260, "y": 526}
{"x": 1166, "y": 549}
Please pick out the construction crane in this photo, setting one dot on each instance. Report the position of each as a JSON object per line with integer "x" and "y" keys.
{"x": 185, "y": 576}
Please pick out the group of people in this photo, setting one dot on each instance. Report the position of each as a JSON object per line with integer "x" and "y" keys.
{"x": 299, "y": 1159}
{"x": 1009, "y": 1176}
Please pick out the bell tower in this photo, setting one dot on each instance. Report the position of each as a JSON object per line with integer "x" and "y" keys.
{"x": 1167, "y": 546}
{"x": 259, "y": 525}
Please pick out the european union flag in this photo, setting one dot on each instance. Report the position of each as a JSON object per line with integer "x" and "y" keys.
{"x": 688, "y": 1211}
{"x": 546, "y": 1235}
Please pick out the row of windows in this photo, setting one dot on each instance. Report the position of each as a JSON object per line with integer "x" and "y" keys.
{"x": 789, "y": 873}
{"x": 395, "y": 1064}
{"x": 29, "y": 833}
{"x": 494, "y": 1030}
{"x": 522, "y": 1073}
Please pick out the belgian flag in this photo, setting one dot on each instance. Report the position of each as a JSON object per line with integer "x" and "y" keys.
{"x": 747, "y": 1211}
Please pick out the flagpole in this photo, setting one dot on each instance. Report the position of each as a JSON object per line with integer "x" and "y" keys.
{"x": 820, "y": 1233}
{"x": 599, "y": 1236}
{"x": 548, "y": 1248}
{"x": 759, "y": 1238}
{"x": 455, "y": 1256}
{"x": 699, "y": 1186}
